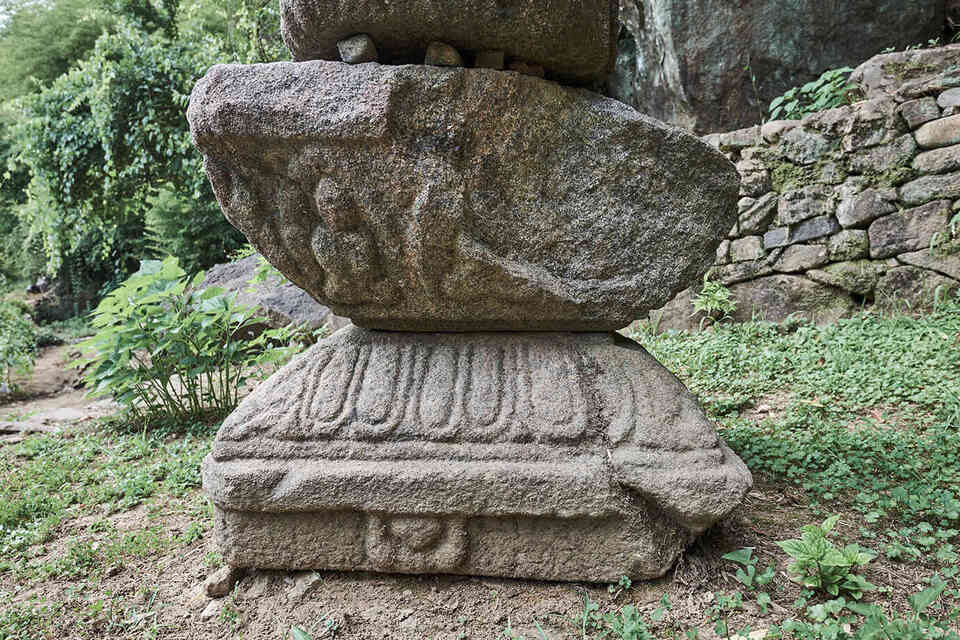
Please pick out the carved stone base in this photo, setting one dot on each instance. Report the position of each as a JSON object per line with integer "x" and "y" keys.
{"x": 544, "y": 455}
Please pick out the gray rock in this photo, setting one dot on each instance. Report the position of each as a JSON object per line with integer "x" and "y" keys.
{"x": 776, "y": 297}
{"x": 723, "y": 253}
{"x": 814, "y": 228}
{"x": 358, "y": 49}
{"x": 949, "y": 98}
{"x": 715, "y": 66}
{"x": 740, "y": 139}
{"x": 927, "y": 188}
{"x": 440, "y": 54}
{"x": 575, "y": 40}
{"x": 281, "y": 304}
{"x": 481, "y": 201}
{"x": 947, "y": 264}
{"x": 919, "y": 111}
{"x": 772, "y": 131}
{"x": 885, "y": 157}
{"x": 778, "y": 237}
{"x": 859, "y": 277}
{"x": 938, "y": 160}
{"x": 221, "y": 582}
{"x": 800, "y": 257}
{"x": 803, "y": 147}
{"x": 913, "y": 288}
{"x": 744, "y": 249}
{"x": 212, "y": 610}
{"x": 569, "y": 450}
{"x": 489, "y": 60}
{"x": 939, "y": 133}
{"x": 754, "y": 178}
{"x": 741, "y": 271}
{"x": 745, "y": 204}
{"x": 869, "y": 123}
{"x": 866, "y": 207}
{"x": 758, "y": 217}
{"x": 848, "y": 245}
{"x": 803, "y": 204}
{"x": 905, "y": 75}
{"x": 909, "y": 230}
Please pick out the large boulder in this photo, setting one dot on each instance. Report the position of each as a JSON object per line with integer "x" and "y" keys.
{"x": 574, "y": 39}
{"x": 428, "y": 199}
{"x": 715, "y": 65}
{"x": 280, "y": 303}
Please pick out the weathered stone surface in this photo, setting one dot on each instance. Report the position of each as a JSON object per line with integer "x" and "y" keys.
{"x": 441, "y": 54}
{"x": 814, "y": 228}
{"x": 800, "y": 257}
{"x": 749, "y": 248}
{"x": 739, "y": 139}
{"x": 723, "y": 252}
{"x": 938, "y": 260}
{"x": 773, "y": 130}
{"x": 802, "y": 146}
{"x": 883, "y": 158}
{"x": 741, "y": 271}
{"x": 949, "y": 98}
{"x": 920, "y": 111}
{"x": 221, "y": 582}
{"x": 904, "y": 75}
{"x": 754, "y": 178}
{"x": 575, "y": 40}
{"x": 775, "y": 297}
{"x": 939, "y": 133}
{"x": 909, "y": 230}
{"x": 866, "y": 207}
{"x": 927, "y": 188}
{"x": 848, "y": 245}
{"x": 420, "y": 198}
{"x": 358, "y": 49}
{"x": 527, "y": 68}
{"x": 557, "y": 456}
{"x": 757, "y": 218}
{"x": 777, "y": 237}
{"x": 913, "y": 287}
{"x": 858, "y": 277}
{"x": 716, "y": 65}
{"x": 803, "y": 204}
{"x": 280, "y": 304}
{"x": 938, "y": 160}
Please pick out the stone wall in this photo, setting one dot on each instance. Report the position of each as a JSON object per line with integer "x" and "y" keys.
{"x": 847, "y": 207}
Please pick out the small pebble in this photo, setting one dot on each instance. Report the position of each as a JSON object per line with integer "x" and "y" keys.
{"x": 212, "y": 610}
{"x": 489, "y": 60}
{"x": 440, "y": 54}
{"x": 358, "y": 49}
{"x": 221, "y": 582}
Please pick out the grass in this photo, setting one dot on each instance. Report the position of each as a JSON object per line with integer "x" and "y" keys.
{"x": 860, "y": 418}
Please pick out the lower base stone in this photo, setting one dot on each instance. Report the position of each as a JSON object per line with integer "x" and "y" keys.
{"x": 554, "y": 456}
{"x": 591, "y": 550}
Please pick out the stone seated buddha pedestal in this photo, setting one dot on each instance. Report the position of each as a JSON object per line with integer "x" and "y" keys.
{"x": 486, "y": 231}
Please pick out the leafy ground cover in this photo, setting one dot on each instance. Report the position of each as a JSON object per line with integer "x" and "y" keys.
{"x": 104, "y": 534}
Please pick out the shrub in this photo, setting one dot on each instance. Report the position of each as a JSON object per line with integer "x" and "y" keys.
{"x": 166, "y": 349}
{"x": 826, "y": 92}
{"x": 18, "y": 343}
{"x": 714, "y": 299}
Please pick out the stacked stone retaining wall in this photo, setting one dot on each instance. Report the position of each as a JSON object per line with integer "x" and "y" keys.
{"x": 848, "y": 207}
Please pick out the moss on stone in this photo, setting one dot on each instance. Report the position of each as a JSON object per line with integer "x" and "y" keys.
{"x": 787, "y": 176}
{"x": 891, "y": 177}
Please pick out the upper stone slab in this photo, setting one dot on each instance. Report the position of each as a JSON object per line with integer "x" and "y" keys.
{"x": 428, "y": 199}
{"x": 576, "y": 40}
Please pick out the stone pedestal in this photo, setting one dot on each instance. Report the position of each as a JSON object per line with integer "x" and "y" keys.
{"x": 565, "y": 456}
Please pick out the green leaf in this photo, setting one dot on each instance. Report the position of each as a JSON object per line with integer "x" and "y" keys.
{"x": 742, "y": 556}
{"x": 919, "y": 602}
{"x": 300, "y": 634}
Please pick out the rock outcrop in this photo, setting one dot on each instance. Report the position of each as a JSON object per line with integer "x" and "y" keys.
{"x": 714, "y": 65}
